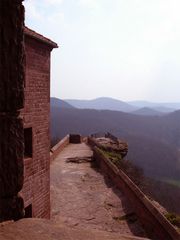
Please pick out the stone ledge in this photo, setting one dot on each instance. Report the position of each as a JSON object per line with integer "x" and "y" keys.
{"x": 59, "y": 147}
{"x": 40, "y": 229}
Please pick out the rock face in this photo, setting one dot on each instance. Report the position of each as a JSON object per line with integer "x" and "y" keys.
{"x": 11, "y": 101}
{"x": 11, "y": 155}
{"x": 111, "y": 145}
{"x": 12, "y": 55}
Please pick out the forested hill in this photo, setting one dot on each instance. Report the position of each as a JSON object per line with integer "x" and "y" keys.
{"x": 154, "y": 143}
{"x": 153, "y": 140}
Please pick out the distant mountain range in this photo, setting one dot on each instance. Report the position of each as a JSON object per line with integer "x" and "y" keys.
{"x": 153, "y": 141}
{"x": 55, "y": 102}
{"x": 146, "y": 111}
{"x": 171, "y": 106}
{"x": 102, "y": 104}
{"x": 148, "y": 108}
{"x": 153, "y": 138}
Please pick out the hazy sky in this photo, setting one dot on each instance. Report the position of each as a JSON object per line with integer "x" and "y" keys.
{"x": 125, "y": 49}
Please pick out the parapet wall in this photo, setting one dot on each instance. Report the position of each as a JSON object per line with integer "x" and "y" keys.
{"x": 75, "y": 138}
{"x": 71, "y": 138}
{"x": 155, "y": 224}
{"x": 59, "y": 147}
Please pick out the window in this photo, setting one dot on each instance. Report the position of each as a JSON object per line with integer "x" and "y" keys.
{"x": 27, "y": 142}
{"x": 28, "y": 211}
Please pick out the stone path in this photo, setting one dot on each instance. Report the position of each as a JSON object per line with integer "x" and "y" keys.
{"x": 42, "y": 229}
{"x": 82, "y": 198}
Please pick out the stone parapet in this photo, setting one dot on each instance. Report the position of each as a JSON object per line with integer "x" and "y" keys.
{"x": 75, "y": 138}
{"x": 155, "y": 224}
{"x": 59, "y": 147}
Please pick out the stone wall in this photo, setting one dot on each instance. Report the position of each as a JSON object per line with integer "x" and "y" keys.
{"x": 75, "y": 138}
{"x": 156, "y": 225}
{"x": 36, "y": 189}
{"x": 11, "y": 101}
{"x": 59, "y": 147}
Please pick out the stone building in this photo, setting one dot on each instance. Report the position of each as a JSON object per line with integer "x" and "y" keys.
{"x": 36, "y": 112}
{"x": 12, "y": 76}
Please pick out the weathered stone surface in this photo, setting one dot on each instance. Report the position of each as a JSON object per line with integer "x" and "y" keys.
{"x": 11, "y": 55}
{"x": 11, "y": 155}
{"x": 38, "y": 229}
{"x": 112, "y": 145}
{"x": 82, "y": 198}
{"x": 36, "y": 187}
{"x": 75, "y": 138}
{"x": 11, "y": 101}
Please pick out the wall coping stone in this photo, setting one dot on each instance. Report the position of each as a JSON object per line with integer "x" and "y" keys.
{"x": 59, "y": 147}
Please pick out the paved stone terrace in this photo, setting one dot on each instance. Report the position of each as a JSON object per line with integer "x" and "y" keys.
{"x": 82, "y": 198}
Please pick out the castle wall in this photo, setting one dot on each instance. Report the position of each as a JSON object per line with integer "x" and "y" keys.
{"x": 36, "y": 189}
{"x": 11, "y": 101}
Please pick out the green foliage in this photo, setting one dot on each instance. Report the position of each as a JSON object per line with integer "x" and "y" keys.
{"x": 173, "y": 218}
{"x": 113, "y": 156}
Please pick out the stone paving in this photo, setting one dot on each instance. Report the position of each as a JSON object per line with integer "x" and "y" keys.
{"x": 42, "y": 229}
{"x": 81, "y": 197}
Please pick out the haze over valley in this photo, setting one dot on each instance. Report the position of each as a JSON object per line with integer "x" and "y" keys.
{"x": 153, "y": 137}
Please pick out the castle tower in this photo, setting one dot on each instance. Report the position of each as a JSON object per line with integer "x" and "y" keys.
{"x": 36, "y": 117}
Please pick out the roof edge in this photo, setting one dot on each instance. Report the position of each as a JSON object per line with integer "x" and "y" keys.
{"x": 29, "y": 32}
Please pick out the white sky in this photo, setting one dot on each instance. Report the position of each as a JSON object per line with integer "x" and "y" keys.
{"x": 125, "y": 49}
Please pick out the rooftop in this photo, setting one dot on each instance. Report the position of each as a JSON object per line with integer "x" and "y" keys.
{"x": 39, "y": 37}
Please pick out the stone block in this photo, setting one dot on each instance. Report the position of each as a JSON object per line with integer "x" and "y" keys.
{"x": 11, "y": 155}
{"x": 11, "y": 56}
{"x": 75, "y": 138}
{"x": 11, "y": 208}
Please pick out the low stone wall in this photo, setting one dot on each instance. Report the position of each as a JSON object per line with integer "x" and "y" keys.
{"x": 155, "y": 224}
{"x": 75, "y": 138}
{"x": 59, "y": 147}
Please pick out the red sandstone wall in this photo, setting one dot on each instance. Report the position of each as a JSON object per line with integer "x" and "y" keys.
{"x": 11, "y": 101}
{"x": 36, "y": 115}
{"x": 59, "y": 147}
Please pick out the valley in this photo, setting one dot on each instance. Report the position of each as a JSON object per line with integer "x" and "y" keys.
{"x": 153, "y": 142}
